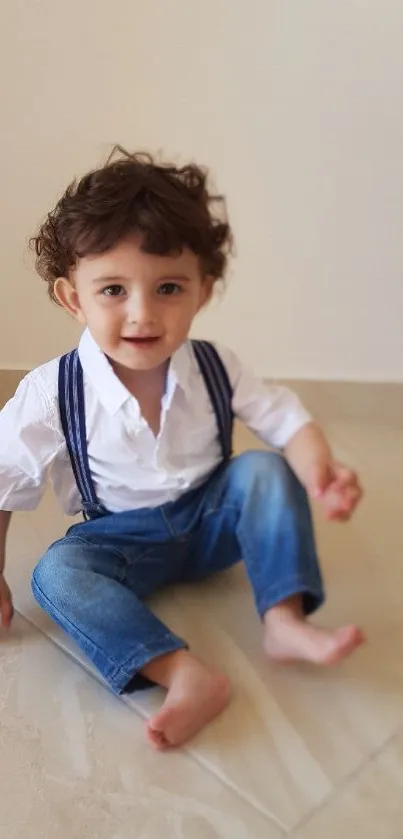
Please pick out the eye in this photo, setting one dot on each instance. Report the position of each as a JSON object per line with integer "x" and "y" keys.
{"x": 169, "y": 289}
{"x": 113, "y": 291}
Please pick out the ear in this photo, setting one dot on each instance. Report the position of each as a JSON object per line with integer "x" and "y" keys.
{"x": 206, "y": 290}
{"x": 67, "y": 296}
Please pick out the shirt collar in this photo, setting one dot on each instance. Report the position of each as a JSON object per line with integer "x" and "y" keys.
{"x": 109, "y": 389}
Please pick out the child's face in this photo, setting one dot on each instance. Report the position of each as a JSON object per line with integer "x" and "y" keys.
{"x": 139, "y": 307}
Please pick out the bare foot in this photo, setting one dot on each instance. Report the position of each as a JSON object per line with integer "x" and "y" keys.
{"x": 196, "y": 695}
{"x": 289, "y": 637}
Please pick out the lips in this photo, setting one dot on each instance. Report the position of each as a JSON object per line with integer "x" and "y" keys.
{"x": 142, "y": 341}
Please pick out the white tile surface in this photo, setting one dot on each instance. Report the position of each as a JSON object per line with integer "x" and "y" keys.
{"x": 74, "y": 764}
{"x": 370, "y": 807}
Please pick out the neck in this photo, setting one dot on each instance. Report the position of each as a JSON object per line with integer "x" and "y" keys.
{"x": 142, "y": 380}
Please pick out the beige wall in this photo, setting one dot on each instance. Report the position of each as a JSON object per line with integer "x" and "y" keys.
{"x": 297, "y": 107}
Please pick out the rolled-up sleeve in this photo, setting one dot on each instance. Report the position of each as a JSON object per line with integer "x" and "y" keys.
{"x": 29, "y": 442}
{"x": 272, "y": 412}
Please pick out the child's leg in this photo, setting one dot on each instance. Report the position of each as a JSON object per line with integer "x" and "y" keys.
{"x": 95, "y": 593}
{"x": 252, "y": 508}
{"x": 81, "y": 585}
{"x": 256, "y": 509}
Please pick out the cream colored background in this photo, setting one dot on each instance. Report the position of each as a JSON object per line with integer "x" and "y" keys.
{"x": 296, "y": 106}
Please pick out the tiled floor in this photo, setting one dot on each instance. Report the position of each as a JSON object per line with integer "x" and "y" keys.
{"x": 307, "y": 753}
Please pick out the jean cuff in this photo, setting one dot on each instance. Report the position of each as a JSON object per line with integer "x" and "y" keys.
{"x": 127, "y": 678}
{"x": 312, "y": 596}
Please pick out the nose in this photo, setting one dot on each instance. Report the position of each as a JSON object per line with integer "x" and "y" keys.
{"x": 141, "y": 309}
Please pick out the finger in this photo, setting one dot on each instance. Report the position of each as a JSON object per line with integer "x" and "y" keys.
{"x": 341, "y": 515}
{"x": 7, "y": 612}
{"x": 338, "y": 515}
{"x": 353, "y": 496}
{"x": 349, "y": 493}
{"x": 345, "y": 477}
{"x": 341, "y": 508}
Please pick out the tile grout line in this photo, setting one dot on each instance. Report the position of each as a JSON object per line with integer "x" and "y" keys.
{"x": 345, "y": 783}
{"x": 270, "y": 817}
{"x": 242, "y": 796}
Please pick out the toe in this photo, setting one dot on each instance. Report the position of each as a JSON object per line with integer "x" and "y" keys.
{"x": 350, "y": 636}
{"x": 156, "y": 737}
{"x": 346, "y": 640}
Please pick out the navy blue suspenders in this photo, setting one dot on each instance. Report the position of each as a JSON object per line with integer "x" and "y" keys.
{"x": 219, "y": 390}
{"x": 72, "y": 415}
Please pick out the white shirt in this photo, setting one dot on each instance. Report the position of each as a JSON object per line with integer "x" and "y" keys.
{"x": 129, "y": 466}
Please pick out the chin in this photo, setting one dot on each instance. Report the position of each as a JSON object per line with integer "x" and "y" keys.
{"x": 140, "y": 360}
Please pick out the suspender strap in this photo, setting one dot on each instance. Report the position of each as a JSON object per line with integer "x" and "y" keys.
{"x": 72, "y": 415}
{"x": 219, "y": 390}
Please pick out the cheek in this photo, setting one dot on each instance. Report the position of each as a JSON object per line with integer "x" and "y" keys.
{"x": 112, "y": 324}
{"x": 104, "y": 318}
{"x": 180, "y": 316}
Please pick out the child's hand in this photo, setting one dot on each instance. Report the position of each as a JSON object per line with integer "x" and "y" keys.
{"x": 6, "y": 603}
{"x": 336, "y": 488}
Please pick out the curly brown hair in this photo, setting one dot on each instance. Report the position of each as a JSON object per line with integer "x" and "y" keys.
{"x": 170, "y": 208}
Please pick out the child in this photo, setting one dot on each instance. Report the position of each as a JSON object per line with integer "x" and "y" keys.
{"x": 134, "y": 430}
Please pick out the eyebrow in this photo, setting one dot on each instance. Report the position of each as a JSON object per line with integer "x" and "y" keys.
{"x": 109, "y": 279}
{"x": 167, "y": 278}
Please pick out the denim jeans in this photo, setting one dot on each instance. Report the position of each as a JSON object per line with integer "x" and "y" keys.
{"x": 95, "y": 580}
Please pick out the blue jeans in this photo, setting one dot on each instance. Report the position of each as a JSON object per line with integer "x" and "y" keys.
{"x": 95, "y": 580}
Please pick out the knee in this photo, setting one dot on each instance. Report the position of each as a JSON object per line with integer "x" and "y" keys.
{"x": 265, "y": 471}
{"x": 45, "y": 571}
{"x": 54, "y": 572}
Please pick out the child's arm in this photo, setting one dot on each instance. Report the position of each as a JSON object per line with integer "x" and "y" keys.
{"x": 276, "y": 415}
{"x": 30, "y": 439}
{"x": 309, "y": 455}
{"x": 6, "y": 602}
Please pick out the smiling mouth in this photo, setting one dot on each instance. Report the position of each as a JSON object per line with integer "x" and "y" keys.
{"x": 142, "y": 342}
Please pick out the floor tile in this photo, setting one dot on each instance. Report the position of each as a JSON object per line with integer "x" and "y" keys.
{"x": 370, "y": 806}
{"x": 74, "y": 763}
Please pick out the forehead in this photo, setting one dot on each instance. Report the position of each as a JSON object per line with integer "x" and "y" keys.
{"x": 127, "y": 259}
